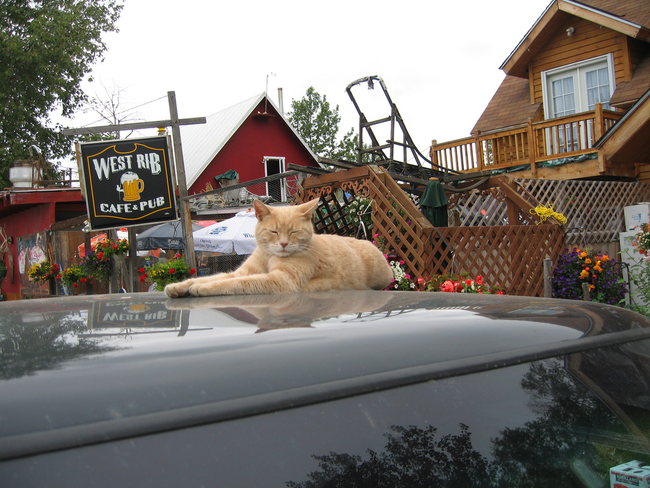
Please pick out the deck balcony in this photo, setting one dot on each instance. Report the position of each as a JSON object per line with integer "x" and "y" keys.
{"x": 560, "y": 148}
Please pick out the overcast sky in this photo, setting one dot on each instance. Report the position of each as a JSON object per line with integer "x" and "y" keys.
{"x": 439, "y": 59}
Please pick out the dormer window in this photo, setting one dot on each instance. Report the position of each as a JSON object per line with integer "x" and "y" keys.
{"x": 578, "y": 87}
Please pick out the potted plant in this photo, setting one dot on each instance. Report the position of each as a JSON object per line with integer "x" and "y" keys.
{"x": 40, "y": 272}
{"x": 162, "y": 274}
{"x": 74, "y": 276}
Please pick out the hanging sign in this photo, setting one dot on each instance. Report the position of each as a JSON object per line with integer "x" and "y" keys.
{"x": 128, "y": 182}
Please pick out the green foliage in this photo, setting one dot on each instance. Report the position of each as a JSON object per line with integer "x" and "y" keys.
{"x": 318, "y": 125}
{"x": 46, "y": 49}
{"x": 639, "y": 270}
{"x": 162, "y": 274}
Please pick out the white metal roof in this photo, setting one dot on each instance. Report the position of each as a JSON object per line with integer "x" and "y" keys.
{"x": 202, "y": 142}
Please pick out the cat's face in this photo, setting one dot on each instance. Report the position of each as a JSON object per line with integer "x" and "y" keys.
{"x": 283, "y": 231}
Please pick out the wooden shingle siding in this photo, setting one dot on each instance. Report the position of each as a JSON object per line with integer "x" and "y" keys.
{"x": 588, "y": 41}
{"x": 644, "y": 173}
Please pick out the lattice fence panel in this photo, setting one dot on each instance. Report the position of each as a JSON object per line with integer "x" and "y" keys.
{"x": 593, "y": 209}
{"x": 511, "y": 256}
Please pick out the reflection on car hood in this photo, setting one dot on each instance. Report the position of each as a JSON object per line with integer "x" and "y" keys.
{"x": 81, "y": 369}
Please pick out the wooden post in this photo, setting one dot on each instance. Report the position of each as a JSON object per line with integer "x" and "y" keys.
{"x": 531, "y": 148}
{"x": 186, "y": 220}
{"x": 548, "y": 278}
{"x": 479, "y": 151}
{"x": 599, "y": 122}
{"x": 585, "y": 292}
{"x": 88, "y": 248}
{"x": 132, "y": 279}
{"x": 433, "y": 155}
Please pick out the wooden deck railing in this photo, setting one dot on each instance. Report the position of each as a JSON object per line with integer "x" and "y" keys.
{"x": 530, "y": 143}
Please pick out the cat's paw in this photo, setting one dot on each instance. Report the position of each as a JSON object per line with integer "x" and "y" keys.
{"x": 176, "y": 290}
{"x": 206, "y": 290}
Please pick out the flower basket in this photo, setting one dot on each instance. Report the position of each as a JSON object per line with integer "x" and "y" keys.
{"x": 162, "y": 274}
{"x": 41, "y": 272}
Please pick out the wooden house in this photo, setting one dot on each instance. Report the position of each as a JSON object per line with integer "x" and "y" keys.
{"x": 252, "y": 138}
{"x": 574, "y": 103}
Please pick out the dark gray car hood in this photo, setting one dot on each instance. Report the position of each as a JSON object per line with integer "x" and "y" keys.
{"x": 86, "y": 369}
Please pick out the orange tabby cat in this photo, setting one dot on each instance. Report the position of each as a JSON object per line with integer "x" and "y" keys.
{"x": 290, "y": 257}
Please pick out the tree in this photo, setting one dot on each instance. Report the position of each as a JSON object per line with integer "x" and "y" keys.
{"x": 318, "y": 125}
{"x": 46, "y": 49}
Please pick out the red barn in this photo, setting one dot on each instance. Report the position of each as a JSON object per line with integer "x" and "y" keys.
{"x": 252, "y": 138}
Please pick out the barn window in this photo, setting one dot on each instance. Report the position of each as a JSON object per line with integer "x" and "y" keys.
{"x": 277, "y": 188}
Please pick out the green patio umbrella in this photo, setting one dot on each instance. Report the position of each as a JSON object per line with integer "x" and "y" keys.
{"x": 434, "y": 204}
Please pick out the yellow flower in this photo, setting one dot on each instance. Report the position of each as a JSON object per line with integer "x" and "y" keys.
{"x": 583, "y": 255}
{"x": 591, "y": 287}
{"x": 598, "y": 268}
{"x": 584, "y": 274}
{"x": 587, "y": 261}
{"x": 605, "y": 258}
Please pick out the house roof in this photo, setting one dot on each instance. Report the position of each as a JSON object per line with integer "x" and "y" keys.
{"x": 628, "y": 92}
{"x": 201, "y": 143}
{"x": 630, "y": 17}
{"x": 627, "y": 140}
{"x": 510, "y": 105}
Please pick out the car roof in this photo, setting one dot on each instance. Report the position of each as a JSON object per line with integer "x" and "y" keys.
{"x": 81, "y": 370}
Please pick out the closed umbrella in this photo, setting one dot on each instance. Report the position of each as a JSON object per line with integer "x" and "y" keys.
{"x": 236, "y": 234}
{"x": 168, "y": 235}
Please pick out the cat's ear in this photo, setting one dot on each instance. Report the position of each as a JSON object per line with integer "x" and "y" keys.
{"x": 261, "y": 210}
{"x": 307, "y": 209}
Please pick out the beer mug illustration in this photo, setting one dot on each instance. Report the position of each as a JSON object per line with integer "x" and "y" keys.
{"x": 138, "y": 307}
{"x": 132, "y": 186}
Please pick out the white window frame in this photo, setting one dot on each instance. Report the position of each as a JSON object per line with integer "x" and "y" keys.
{"x": 580, "y": 87}
{"x": 283, "y": 182}
{"x": 578, "y": 70}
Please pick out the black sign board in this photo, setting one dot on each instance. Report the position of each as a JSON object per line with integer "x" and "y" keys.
{"x": 128, "y": 182}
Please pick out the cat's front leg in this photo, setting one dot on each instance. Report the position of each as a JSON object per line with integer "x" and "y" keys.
{"x": 181, "y": 289}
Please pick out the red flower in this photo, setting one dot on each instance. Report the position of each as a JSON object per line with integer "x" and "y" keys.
{"x": 100, "y": 255}
{"x": 192, "y": 271}
{"x": 74, "y": 284}
{"x": 115, "y": 247}
{"x": 499, "y": 293}
{"x": 172, "y": 271}
{"x": 143, "y": 277}
{"x": 178, "y": 256}
{"x": 141, "y": 270}
{"x": 83, "y": 280}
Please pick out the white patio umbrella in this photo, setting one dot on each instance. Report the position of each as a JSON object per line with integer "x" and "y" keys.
{"x": 236, "y": 234}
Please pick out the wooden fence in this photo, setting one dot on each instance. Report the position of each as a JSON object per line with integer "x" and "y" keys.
{"x": 510, "y": 256}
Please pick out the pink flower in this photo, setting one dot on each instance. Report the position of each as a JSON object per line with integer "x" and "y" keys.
{"x": 407, "y": 276}
{"x": 448, "y": 287}
{"x": 401, "y": 262}
{"x": 420, "y": 280}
